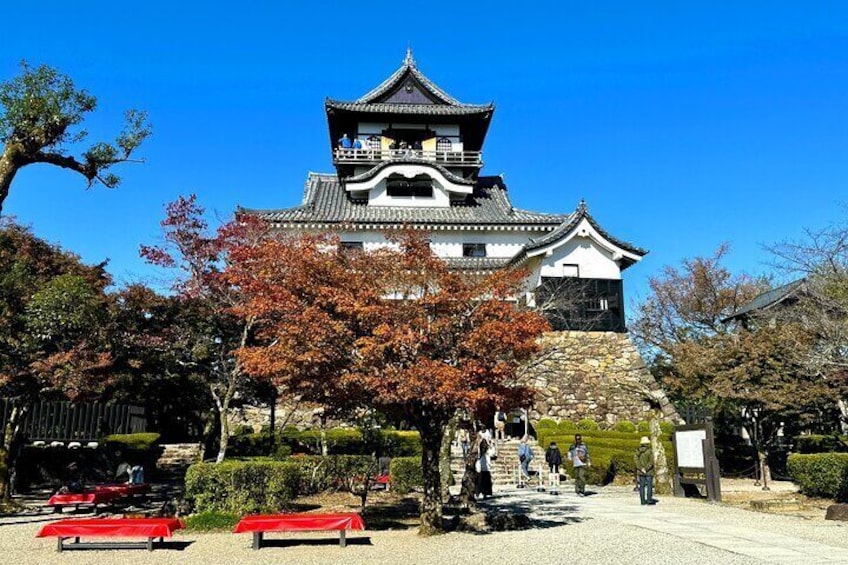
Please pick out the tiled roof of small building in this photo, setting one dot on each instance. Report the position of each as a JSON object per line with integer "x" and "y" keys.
{"x": 325, "y": 201}
{"x": 768, "y": 299}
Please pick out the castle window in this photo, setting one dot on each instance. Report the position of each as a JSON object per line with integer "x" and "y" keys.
{"x": 420, "y": 186}
{"x": 473, "y": 249}
{"x": 374, "y": 142}
{"x": 351, "y": 246}
{"x": 444, "y": 144}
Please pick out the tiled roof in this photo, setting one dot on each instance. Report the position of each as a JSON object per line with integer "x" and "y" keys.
{"x": 325, "y": 201}
{"x": 442, "y": 103}
{"x": 420, "y": 109}
{"x": 369, "y": 174}
{"x": 476, "y": 263}
{"x": 563, "y": 229}
{"x": 768, "y": 299}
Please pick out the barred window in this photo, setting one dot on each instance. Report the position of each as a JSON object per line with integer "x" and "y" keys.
{"x": 444, "y": 144}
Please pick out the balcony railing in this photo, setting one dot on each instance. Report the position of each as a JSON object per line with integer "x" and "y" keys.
{"x": 373, "y": 156}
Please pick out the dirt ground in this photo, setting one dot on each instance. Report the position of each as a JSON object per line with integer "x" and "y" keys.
{"x": 781, "y": 498}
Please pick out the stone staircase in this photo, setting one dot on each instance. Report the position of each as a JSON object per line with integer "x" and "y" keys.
{"x": 505, "y": 467}
{"x": 178, "y": 456}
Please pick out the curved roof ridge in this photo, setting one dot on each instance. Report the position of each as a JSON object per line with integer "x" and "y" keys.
{"x": 408, "y": 66}
{"x": 369, "y": 174}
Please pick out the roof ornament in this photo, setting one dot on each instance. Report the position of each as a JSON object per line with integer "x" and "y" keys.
{"x": 582, "y": 208}
{"x": 409, "y": 61}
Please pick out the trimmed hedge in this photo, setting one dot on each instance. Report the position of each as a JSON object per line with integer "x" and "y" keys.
{"x": 587, "y": 424}
{"x": 625, "y": 426}
{"x": 821, "y": 474}
{"x": 319, "y": 473}
{"x": 243, "y": 487}
{"x": 821, "y": 444}
{"x": 340, "y": 441}
{"x": 405, "y": 474}
{"x": 138, "y": 442}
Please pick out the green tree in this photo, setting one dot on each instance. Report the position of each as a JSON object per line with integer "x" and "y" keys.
{"x": 40, "y": 111}
{"x": 51, "y": 339}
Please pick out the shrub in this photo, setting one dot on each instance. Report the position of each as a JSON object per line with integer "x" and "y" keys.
{"x": 282, "y": 452}
{"x": 821, "y": 444}
{"x": 139, "y": 442}
{"x": 546, "y": 424}
{"x": 212, "y": 521}
{"x": 401, "y": 443}
{"x": 405, "y": 474}
{"x": 625, "y": 426}
{"x": 643, "y": 427}
{"x": 667, "y": 428}
{"x": 565, "y": 427}
{"x": 320, "y": 473}
{"x": 242, "y": 487}
{"x": 587, "y": 424}
{"x": 821, "y": 474}
{"x": 248, "y": 445}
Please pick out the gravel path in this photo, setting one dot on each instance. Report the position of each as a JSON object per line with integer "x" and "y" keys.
{"x": 609, "y": 527}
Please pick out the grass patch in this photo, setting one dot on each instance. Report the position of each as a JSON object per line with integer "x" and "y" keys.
{"x": 212, "y": 521}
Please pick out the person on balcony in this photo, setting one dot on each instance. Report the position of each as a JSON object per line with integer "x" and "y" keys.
{"x": 344, "y": 142}
{"x": 357, "y": 145}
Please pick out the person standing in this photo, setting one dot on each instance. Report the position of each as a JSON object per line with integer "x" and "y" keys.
{"x": 578, "y": 454}
{"x": 525, "y": 456}
{"x": 644, "y": 460}
{"x": 553, "y": 457}
{"x": 463, "y": 441}
{"x": 500, "y": 424}
{"x": 483, "y": 466}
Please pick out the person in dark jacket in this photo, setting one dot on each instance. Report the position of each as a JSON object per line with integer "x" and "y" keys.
{"x": 553, "y": 457}
{"x": 644, "y": 460}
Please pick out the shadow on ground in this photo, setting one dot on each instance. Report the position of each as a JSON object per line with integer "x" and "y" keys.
{"x": 314, "y": 541}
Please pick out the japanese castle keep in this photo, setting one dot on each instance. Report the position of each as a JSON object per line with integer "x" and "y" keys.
{"x": 408, "y": 154}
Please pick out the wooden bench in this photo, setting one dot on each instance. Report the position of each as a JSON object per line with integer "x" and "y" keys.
{"x": 150, "y": 528}
{"x": 259, "y": 525}
{"x": 100, "y": 494}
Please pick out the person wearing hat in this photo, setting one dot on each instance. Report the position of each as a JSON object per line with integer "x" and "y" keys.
{"x": 644, "y": 459}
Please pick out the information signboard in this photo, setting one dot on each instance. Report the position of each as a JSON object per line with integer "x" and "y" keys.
{"x": 689, "y": 448}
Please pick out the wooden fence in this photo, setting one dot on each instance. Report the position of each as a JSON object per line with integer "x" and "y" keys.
{"x": 66, "y": 421}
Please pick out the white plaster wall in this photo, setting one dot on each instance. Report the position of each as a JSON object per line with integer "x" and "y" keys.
{"x": 498, "y": 244}
{"x": 593, "y": 261}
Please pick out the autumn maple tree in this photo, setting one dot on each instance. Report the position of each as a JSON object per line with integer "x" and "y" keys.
{"x": 392, "y": 330}
{"x": 200, "y": 255}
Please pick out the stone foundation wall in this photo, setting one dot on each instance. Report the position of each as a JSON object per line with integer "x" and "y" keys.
{"x": 597, "y": 375}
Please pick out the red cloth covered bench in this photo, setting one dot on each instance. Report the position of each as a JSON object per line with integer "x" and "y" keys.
{"x": 149, "y": 528}
{"x": 258, "y": 525}
{"x": 100, "y": 494}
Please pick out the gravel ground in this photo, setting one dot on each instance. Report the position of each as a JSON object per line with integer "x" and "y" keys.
{"x": 571, "y": 530}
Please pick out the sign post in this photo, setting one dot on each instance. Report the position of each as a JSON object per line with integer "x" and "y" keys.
{"x": 696, "y": 461}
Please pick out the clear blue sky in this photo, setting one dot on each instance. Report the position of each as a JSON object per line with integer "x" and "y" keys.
{"x": 682, "y": 127}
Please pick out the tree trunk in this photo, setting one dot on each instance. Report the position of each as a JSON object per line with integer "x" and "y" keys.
{"x": 7, "y": 457}
{"x": 223, "y": 405}
{"x": 469, "y": 478}
{"x": 445, "y": 457}
{"x": 8, "y": 169}
{"x": 431, "y": 433}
